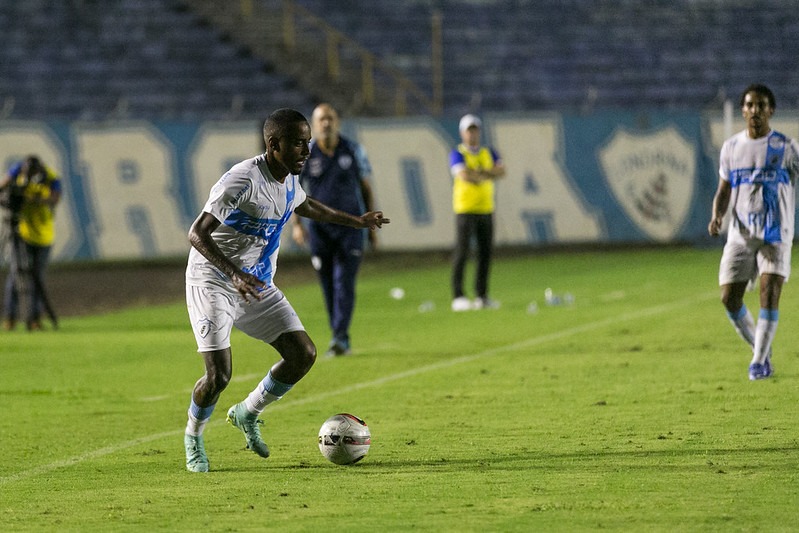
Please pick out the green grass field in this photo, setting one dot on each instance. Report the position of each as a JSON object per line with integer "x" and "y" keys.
{"x": 628, "y": 410}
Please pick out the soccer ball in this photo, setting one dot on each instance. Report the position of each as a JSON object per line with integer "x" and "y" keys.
{"x": 344, "y": 439}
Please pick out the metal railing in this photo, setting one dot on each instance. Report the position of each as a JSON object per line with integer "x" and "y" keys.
{"x": 308, "y": 44}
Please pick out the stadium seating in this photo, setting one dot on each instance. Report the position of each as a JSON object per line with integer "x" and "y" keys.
{"x": 85, "y": 59}
{"x": 154, "y": 58}
{"x": 574, "y": 55}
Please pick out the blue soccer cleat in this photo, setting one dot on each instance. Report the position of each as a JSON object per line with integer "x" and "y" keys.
{"x": 758, "y": 371}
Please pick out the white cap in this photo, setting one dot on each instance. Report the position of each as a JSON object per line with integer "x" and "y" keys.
{"x": 468, "y": 121}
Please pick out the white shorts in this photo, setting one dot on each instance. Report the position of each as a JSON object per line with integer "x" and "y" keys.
{"x": 743, "y": 260}
{"x": 214, "y": 311}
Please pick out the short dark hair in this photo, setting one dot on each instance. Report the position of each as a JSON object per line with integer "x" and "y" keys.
{"x": 762, "y": 90}
{"x": 277, "y": 124}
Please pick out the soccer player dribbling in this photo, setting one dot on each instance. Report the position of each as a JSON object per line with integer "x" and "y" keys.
{"x": 229, "y": 279}
{"x": 758, "y": 168}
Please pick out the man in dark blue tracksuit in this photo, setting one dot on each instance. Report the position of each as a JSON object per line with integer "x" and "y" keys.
{"x": 337, "y": 174}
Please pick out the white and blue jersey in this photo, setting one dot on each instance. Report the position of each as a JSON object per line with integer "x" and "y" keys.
{"x": 253, "y": 209}
{"x": 762, "y": 173}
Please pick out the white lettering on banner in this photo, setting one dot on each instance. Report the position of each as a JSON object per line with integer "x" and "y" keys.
{"x": 217, "y": 147}
{"x": 653, "y": 177}
{"x": 128, "y": 171}
{"x": 412, "y": 182}
{"x": 536, "y": 201}
{"x": 20, "y": 139}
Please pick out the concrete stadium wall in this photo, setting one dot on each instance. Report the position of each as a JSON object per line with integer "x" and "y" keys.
{"x": 133, "y": 188}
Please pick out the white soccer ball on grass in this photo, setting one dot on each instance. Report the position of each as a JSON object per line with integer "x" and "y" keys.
{"x": 344, "y": 439}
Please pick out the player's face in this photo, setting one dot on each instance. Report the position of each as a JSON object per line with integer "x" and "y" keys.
{"x": 294, "y": 150}
{"x": 757, "y": 111}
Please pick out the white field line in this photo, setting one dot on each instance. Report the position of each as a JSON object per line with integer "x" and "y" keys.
{"x": 527, "y": 343}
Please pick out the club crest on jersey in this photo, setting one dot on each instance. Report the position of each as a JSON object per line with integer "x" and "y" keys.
{"x": 652, "y": 177}
{"x": 314, "y": 166}
{"x": 345, "y": 161}
{"x": 777, "y": 142}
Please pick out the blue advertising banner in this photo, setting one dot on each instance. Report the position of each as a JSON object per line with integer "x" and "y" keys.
{"x": 132, "y": 188}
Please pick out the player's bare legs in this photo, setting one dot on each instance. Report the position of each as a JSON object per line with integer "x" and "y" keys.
{"x": 732, "y": 296}
{"x": 298, "y": 355}
{"x": 218, "y": 369}
{"x": 770, "y": 291}
{"x": 759, "y": 336}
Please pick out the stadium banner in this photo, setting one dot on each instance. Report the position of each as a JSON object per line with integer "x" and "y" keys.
{"x": 133, "y": 188}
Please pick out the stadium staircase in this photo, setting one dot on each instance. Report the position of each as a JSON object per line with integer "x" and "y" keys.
{"x": 324, "y": 61}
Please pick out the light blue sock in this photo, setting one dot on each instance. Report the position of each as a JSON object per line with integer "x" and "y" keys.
{"x": 268, "y": 390}
{"x": 764, "y": 334}
{"x": 198, "y": 418}
{"x": 744, "y": 324}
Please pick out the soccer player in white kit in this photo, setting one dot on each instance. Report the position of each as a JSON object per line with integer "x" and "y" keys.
{"x": 229, "y": 278}
{"x": 758, "y": 168}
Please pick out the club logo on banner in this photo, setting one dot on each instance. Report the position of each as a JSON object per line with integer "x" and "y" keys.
{"x": 652, "y": 177}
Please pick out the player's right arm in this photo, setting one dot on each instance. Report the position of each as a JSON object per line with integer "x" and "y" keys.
{"x": 721, "y": 201}
{"x": 200, "y": 237}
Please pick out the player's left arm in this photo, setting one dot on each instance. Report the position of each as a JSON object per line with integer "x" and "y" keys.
{"x": 316, "y": 210}
{"x": 364, "y": 177}
{"x": 369, "y": 204}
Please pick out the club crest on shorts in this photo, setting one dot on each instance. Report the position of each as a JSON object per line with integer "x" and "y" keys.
{"x": 652, "y": 177}
{"x": 204, "y": 327}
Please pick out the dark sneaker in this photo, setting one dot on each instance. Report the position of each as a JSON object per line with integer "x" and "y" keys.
{"x": 338, "y": 348}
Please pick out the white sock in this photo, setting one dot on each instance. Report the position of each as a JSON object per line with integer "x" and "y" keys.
{"x": 744, "y": 324}
{"x": 268, "y": 390}
{"x": 764, "y": 334}
{"x": 198, "y": 418}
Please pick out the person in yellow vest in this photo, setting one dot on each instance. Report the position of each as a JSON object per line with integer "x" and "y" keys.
{"x": 32, "y": 191}
{"x": 474, "y": 170}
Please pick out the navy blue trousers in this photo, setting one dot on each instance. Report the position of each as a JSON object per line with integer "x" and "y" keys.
{"x": 337, "y": 258}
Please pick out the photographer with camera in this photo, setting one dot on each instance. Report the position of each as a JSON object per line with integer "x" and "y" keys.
{"x": 30, "y": 192}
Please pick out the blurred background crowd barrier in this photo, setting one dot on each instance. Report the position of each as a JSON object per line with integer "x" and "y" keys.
{"x": 132, "y": 188}
{"x": 609, "y": 114}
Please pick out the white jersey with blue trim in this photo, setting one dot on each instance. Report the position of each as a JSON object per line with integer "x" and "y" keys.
{"x": 253, "y": 208}
{"x": 762, "y": 173}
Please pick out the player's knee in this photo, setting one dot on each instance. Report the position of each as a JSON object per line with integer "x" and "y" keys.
{"x": 219, "y": 381}
{"x": 298, "y": 352}
{"x": 731, "y": 303}
{"x": 307, "y": 357}
{"x": 732, "y": 300}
